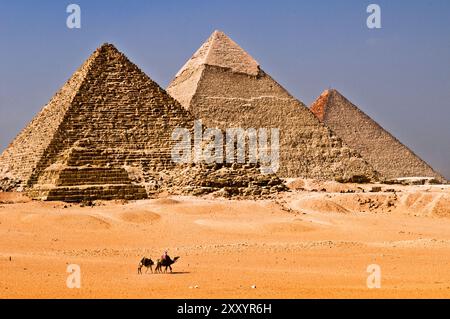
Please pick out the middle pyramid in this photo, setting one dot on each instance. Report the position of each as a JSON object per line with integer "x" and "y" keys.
{"x": 225, "y": 87}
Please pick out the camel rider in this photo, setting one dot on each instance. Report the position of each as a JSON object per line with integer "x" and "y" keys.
{"x": 165, "y": 255}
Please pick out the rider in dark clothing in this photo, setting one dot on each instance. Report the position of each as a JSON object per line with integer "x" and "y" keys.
{"x": 164, "y": 256}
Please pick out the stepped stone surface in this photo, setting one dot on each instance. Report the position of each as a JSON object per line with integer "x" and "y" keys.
{"x": 107, "y": 134}
{"x": 225, "y": 87}
{"x": 383, "y": 151}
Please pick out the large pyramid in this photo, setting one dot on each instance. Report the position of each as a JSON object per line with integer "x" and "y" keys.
{"x": 387, "y": 155}
{"x": 107, "y": 134}
{"x": 225, "y": 87}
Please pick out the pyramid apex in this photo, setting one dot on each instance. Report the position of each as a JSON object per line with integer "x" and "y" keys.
{"x": 319, "y": 106}
{"x": 326, "y": 95}
{"x": 220, "y": 50}
{"x": 326, "y": 92}
{"x": 107, "y": 47}
{"x": 218, "y": 34}
{"x": 106, "y": 44}
{"x": 330, "y": 91}
{"x": 334, "y": 91}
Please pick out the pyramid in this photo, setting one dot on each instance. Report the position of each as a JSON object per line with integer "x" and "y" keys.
{"x": 383, "y": 151}
{"x": 106, "y": 134}
{"x": 225, "y": 87}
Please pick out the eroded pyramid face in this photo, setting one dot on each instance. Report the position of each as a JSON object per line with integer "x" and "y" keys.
{"x": 108, "y": 104}
{"x": 383, "y": 151}
{"x": 225, "y": 87}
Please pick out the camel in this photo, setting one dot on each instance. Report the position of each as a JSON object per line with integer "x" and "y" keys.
{"x": 145, "y": 262}
{"x": 165, "y": 263}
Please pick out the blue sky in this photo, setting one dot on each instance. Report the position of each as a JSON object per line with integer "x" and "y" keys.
{"x": 399, "y": 74}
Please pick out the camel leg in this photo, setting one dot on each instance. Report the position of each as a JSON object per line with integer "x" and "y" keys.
{"x": 151, "y": 268}
{"x": 170, "y": 268}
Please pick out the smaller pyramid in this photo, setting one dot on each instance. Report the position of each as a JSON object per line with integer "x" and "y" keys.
{"x": 383, "y": 151}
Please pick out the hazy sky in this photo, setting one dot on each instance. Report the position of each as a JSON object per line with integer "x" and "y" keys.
{"x": 399, "y": 74}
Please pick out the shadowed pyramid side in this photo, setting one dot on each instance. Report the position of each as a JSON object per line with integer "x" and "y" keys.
{"x": 383, "y": 151}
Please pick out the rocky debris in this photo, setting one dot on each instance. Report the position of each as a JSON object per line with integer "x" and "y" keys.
{"x": 359, "y": 179}
{"x": 375, "y": 189}
{"x": 378, "y": 204}
{"x": 9, "y": 183}
{"x": 314, "y": 185}
{"x": 414, "y": 181}
{"x": 87, "y": 203}
{"x": 224, "y": 180}
{"x": 283, "y": 204}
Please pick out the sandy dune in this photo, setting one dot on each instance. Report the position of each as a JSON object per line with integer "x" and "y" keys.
{"x": 315, "y": 241}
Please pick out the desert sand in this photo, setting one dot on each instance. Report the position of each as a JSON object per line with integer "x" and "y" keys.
{"x": 315, "y": 241}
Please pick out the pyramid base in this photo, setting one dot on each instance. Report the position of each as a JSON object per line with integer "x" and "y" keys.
{"x": 88, "y": 192}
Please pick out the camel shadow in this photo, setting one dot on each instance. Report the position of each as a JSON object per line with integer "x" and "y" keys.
{"x": 173, "y": 273}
